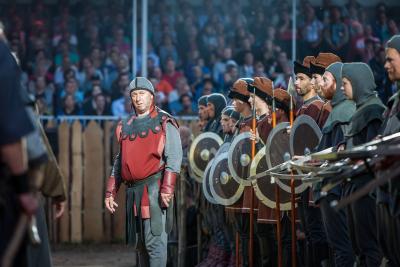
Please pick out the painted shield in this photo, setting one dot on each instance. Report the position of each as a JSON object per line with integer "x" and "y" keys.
{"x": 203, "y": 149}
{"x": 264, "y": 186}
{"x": 239, "y": 158}
{"x": 304, "y": 136}
{"x": 206, "y": 183}
{"x": 224, "y": 189}
{"x": 278, "y": 151}
{"x": 277, "y": 146}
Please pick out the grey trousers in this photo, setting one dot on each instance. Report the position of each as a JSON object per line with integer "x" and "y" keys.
{"x": 153, "y": 253}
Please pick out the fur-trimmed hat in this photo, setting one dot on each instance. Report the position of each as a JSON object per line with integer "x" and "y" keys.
{"x": 322, "y": 61}
{"x": 263, "y": 88}
{"x": 305, "y": 67}
{"x": 239, "y": 90}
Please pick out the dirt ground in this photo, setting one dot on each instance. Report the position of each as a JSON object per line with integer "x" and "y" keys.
{"x": 115, "y": 255}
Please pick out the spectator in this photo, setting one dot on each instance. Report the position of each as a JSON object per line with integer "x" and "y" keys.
{"x": 182, "y": 87}
{"x": 336, "y": 34}
{"x": 111, "y": 67}
{"x": 119, "y": 85}
{"x": 311, "y": 32}
{"x": 285, "y": 30}
{"x": 187, "y": 106}
{"x": 168, "y": 51}
{"x": 101, "y": 107}
{"x": 89, "y": 103}
{"x": 64, "y": 52}
{"x": 220, "y": 66}
{"x": 230, "y": 76}
{"x": 171, "y": 75}
{"x": 120, "y": 41}
{"x": 44, "y": 91}
{"x": 71, "y": 88}
{"x": 247, "y": 69}
{"x": 357, "y": 44}
{"x": 393, "y": 29}
{"x": 160, "y": 84}
{"x": 65, "y": 70}
{"x": 88, "y": 75}
{"x": 69, "y": 106}
{"x": 381, "y": 28}
{"x": 118, "y": 105}
{"x": 207, "y": 87}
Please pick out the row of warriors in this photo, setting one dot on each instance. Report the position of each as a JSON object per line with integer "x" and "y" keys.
{"x": 341, "y": 99}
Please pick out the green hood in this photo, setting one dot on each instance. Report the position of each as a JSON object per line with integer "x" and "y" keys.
{"x": 362, "y": 80}
{"x": 336, "y": 70}
{"x": 342, "y": 109}
{"x": 219, "y": 102}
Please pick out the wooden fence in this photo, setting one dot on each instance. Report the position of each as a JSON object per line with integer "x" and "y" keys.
{"x": 85, "y": 153}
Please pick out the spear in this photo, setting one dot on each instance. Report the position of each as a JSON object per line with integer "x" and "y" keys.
{"x": 290, "y": 91}
{"x": 253, "y": 152}
{"x": 277, "y": 193}
{"x": 292, "y": 185}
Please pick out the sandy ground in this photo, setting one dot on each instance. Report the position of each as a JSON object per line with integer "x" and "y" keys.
{"x": 116, "y": 255}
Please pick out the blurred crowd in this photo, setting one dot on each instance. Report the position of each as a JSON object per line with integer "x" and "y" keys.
{"x": 77, "y": 58}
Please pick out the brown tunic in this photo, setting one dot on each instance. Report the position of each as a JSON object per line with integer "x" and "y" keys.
{"x": 316, "y": 109}
{"x": 319, "y": 111}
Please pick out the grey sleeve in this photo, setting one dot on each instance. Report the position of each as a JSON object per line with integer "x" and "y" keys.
{"x": 116, "y": 168}
{"x": 173, "y": 149}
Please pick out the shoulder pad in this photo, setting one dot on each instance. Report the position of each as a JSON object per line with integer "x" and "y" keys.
{"x": 166, "y": 117}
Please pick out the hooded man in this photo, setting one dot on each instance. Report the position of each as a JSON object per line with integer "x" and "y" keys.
{"x": 203, "y": 113}
{"x": 149, "y": 176}
{"x": 335, "y": 222}
{"x": 229, "y": 119}
{"x": 215, "y": 104}
{"x": 388, "y": 209}
{"x": 359, "y": 86}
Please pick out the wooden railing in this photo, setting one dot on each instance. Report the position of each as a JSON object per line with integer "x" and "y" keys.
{"x": 86, "y": 147}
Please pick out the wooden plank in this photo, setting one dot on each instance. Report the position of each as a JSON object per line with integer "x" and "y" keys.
{"x": 64, "y": 161}
{"x": 50, "y": 124}
{"x": 76, "y": 184}
{"x": 108, "y": 126}
{"x": 93, "y": 182}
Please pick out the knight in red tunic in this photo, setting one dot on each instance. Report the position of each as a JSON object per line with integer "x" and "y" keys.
{"x": 148, "y": 163}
